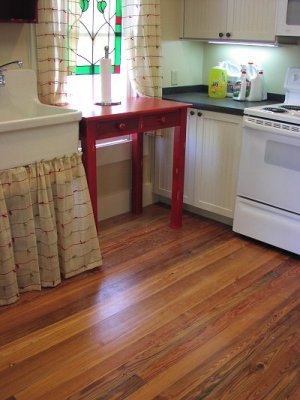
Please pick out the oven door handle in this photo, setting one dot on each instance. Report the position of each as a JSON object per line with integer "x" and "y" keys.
{"x": 275, "y": 127}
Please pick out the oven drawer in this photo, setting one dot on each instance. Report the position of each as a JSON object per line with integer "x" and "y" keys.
{"x": 267, "y": 224}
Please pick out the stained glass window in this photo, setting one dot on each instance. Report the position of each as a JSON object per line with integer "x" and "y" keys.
{"x": 100, "y": 26}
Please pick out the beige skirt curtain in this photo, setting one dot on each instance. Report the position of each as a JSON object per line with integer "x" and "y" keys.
{"x": 47, "y": 228}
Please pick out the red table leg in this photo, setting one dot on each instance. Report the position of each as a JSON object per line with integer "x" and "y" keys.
{"x": 88, "y": 144}
{"x": 178, "y": 172}
{"x": 137, "y": 173}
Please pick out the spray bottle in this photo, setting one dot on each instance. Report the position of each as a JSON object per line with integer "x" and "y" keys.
{"x": 264, "y": 90}
{"x": 240, "y": 88}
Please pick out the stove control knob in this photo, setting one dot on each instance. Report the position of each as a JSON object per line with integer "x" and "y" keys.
{"x": 296, "y": 77}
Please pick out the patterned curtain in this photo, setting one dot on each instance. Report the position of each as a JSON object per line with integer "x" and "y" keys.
{"x": 47, "y": 227}
{"x": 143, "y": 47}
{"x": 54, "y": 37}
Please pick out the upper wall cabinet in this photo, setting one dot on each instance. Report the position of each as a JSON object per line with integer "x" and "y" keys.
{"x": 230, "y": 19}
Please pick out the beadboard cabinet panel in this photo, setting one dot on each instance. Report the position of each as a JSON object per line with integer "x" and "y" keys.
{"x": 253, "y": 20}
{"x": 204, "y": 19}
{"x": 211, "y": 163}
{"x": 218, "y": 150}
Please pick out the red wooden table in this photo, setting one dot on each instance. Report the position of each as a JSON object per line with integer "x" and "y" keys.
{"x": 136, "y": 116}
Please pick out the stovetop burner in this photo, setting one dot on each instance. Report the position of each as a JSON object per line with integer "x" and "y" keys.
{"x": 291, "y": 107}
{"x": 287, "y": 112}
{"x": 275, "y": 110}
{"x": 282, "y": 112}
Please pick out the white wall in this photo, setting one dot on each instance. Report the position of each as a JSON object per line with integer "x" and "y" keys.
{"x": 184, "y": 57}
{"x": 275, "y": 61}
{"x": 193, "y": 59}
{"x": 14, "y": 43}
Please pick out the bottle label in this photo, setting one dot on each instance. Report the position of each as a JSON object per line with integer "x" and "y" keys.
{"x": 236, "y": 88}
{"x": 248, "y": 87}
{"x": 217, "y": 84}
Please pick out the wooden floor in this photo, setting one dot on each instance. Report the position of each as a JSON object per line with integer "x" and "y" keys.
{"x": 197, "y": 313}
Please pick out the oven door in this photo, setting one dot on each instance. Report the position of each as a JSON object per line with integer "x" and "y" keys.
{"x": 270, "y": 164}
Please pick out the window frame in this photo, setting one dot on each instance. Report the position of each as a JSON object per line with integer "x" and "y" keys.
{"x": 118, "y": 67}
{"x": 96, "y": 30}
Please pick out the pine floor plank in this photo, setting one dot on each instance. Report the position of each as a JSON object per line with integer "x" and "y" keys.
{"x": 195, "y": 313}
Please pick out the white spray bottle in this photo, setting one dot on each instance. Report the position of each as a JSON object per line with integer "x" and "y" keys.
{"x": 240, "y": 88}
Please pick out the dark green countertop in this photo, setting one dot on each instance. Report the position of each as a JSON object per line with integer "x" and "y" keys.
{"x": 198, "y": 97}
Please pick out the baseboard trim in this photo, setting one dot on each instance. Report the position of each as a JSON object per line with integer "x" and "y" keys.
{"x": 198, "y": 211}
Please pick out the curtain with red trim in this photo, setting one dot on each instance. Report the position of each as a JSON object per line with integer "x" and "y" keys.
{"x": 54, "y": 37}
{"x": 143, "y": 45}
{"x": 47, "y": 228}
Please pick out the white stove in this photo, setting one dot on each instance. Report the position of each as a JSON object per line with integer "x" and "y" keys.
{"x": 289, "y": 111}
{"x": 268, "y": 190}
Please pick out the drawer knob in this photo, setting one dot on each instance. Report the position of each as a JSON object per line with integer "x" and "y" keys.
{"x": 192, "y": 112}
{"x": 199, "y": 114}
{"x": 162, "y": 120}
{"x": 122, "y": 126}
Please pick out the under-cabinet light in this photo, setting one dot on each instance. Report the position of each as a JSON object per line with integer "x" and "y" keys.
{"x": 262, "y": 44}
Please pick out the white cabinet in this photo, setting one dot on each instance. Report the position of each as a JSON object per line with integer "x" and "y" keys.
{"x": 211, "y": 162}
{"x": 218, "y": 150}
{"x": 230, "y": 19}
{"x": 204, "y": 19}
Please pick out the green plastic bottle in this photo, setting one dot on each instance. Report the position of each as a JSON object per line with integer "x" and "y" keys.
{"x": 217, "y": 85}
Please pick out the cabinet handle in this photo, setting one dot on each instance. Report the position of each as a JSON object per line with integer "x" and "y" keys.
{"x": 122, "y": 126}
{"x": 192, "y": 112}
{"x": 221, "y": 34}
{"x": 199, "y": 114}
{"x": 162, "y": 120}
{"x": 228, "y": 34}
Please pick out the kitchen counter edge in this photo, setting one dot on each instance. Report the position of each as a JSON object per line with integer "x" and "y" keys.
{"x": 197, "y": 96}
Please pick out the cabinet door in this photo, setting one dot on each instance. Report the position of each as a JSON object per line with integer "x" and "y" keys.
{"x": 164, "y": 160}
{"x": 205, "y": 19}
{"x": 218, "y": 150}
{"x": 251, "y": 20}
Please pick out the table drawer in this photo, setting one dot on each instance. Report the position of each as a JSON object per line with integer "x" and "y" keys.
{"x": 163, "y": 120}
{"x": 118, "y": 126}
